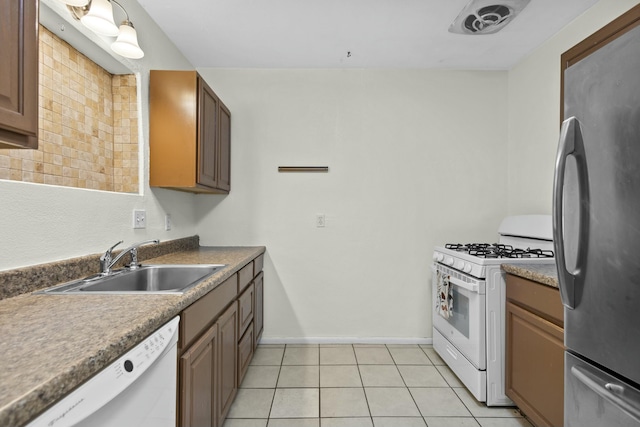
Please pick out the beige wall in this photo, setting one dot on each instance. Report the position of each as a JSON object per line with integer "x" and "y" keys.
{"x": 534, "y": 110}
{"x": 415, "y": 159}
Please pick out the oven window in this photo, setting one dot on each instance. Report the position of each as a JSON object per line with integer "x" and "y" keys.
{"x": 460, "y": 318}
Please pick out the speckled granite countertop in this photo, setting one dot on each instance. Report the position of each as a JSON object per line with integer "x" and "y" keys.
{"x": 541, "y": 273}
{"x": 49, "y": 344}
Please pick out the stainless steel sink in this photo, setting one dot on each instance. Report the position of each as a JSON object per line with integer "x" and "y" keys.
{"x": 148, "y": 279}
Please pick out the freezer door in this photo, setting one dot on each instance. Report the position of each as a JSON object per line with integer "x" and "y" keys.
{"x": 597, "y": 207}
{"x": 594, "y": 398}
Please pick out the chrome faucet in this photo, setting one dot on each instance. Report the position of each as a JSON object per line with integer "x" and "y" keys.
{"x": 106, "y": 261}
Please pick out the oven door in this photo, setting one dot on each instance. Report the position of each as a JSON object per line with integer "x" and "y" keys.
{"x": 465, "y": 326}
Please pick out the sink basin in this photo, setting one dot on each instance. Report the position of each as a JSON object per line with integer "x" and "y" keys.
{"x": 148, "y": 279}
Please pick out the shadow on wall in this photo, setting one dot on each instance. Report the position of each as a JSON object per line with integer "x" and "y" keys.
{"x": 277, "y": 306}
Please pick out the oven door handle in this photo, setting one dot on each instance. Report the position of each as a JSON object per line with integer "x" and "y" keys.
{"x": 471, "y": 287}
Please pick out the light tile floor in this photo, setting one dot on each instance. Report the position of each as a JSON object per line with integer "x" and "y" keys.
{"x": 358, "y": 386}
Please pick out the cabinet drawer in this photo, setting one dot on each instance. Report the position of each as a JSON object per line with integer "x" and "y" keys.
{"x": 245, "y": 276}
{"x": 203, "y": 312}
{"x": 245, "y": 352}
{"x": 245, "y": 315}
{"x": 540, "y": 299}
{"x": 258, "y": 265}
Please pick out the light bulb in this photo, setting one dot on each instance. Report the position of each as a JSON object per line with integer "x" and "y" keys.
{"x": 99, "y": 19}
{"x": 127, "y": 42}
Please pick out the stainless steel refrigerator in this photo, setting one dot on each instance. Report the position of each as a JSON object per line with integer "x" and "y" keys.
{"x": 596, "y": 215}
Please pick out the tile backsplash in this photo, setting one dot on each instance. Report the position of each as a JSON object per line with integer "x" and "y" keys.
{"x": 88, "y": 125}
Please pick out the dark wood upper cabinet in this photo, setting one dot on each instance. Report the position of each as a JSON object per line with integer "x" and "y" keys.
{"x": 189, "y": 134}
{"x": 207, "y": 136}
{"x": 19, "y": 74}
{"x": 224, "y": 148}
{"x": 600, "y": 38}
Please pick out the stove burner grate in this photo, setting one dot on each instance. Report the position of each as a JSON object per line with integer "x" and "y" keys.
{"x": 497, "y": 250}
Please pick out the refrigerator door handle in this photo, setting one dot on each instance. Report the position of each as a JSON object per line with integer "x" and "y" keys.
{"x": 626, "y": 399}
{"x": 570, "y": 145}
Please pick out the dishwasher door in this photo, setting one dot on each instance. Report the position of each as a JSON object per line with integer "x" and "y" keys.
{"x": 137, "y": 390}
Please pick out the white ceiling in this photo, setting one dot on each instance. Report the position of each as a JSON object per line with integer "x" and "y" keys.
{"x": 378, "y": 33}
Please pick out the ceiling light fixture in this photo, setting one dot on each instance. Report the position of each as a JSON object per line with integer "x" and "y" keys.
{"x": 76, "y": 3}
{"x": 97, "y": 15}
{"x": 99, "y": 18}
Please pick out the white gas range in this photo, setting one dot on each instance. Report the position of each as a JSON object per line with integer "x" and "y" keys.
{"x": 468, "y": 290}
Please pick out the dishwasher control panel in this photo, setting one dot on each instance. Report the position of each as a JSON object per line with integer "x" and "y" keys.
{"x": 111, "y": 381}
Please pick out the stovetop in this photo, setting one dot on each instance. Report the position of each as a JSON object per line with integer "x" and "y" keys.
{"x": 474, "y": 258}
{"x": 498, "y": 250}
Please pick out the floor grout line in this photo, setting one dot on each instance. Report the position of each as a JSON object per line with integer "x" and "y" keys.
{"x": 363, "y": 388}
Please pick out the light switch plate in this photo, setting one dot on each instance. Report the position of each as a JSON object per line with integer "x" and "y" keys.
{"x": 139, "y": 218}
{"x": 167, "y": 222}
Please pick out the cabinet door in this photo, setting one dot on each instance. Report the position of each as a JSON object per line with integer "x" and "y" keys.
{"x": 245, "y": 309}
{"x": 207, "y": 137}
{"x": 224, "y": 148}
{"x": 199, "y": 376}
{"x": 535, "y": 366}
{"x": 19, "y": 74}
{"x": 258, "y": 308}
{"x": 228, "y": 327}
{"x": 245, "y": 352}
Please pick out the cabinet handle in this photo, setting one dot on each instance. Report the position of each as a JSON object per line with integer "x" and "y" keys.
{"x": 303, "y": 168}
{"x": 452, "y": 352}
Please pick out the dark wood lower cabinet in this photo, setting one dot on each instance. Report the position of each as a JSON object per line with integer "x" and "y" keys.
{"x": 216, "y": 344}
{"x": 535, "y": 351}
{"x": 199, "y": 377}
{"x": 258, "y": 315}
{"x": 245, "y": 352}
{"x": 228, "y": 325}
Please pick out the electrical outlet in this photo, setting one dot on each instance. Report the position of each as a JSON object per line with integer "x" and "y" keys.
{"x": 139, "y": 218}
{"x": 320, "y": 220}
{"x": 167, "y": 222}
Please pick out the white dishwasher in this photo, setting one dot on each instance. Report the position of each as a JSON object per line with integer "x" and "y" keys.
{"x": 137, "y": 390}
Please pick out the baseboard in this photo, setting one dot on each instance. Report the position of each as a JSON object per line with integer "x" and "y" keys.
{"x": 346, "y": 340}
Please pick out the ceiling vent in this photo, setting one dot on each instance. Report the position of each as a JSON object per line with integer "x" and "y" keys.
{"x": 486, "y": 16}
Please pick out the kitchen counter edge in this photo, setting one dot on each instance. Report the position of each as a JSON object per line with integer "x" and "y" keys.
{"x": 41, "y": 368}
{"x": 546, "y": 274}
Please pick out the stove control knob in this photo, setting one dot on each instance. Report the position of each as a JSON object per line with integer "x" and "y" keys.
{"x": 467, "y": 267}
{"x": 448, "y": 260}
{"x": 438, "y": 257}
{"x": 459, "y": 264}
